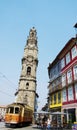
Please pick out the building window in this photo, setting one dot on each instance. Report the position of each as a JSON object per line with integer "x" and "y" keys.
{"x": 67, "y": 58}
{"x": 59, "y": 97}
{"x": 50, "y": 101}
{"x": 74, "y": 52}
{"x": 76, "y": 90}
{"x": 75, "y": 72}
{"x": 28, "y": 70}
{"x": 62, "y": 63}
{"x": 63, "y": 80}
{"x": 58, "y": 67}
{"x": 64, "y": 96}
{"x": 69, "y": 76}
{"x": 54, "y": 98}
{"x": 70, "y": 93}
{"x": 27, "y": 85}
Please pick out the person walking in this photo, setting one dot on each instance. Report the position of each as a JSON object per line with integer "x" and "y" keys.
{"x": 48, "y": 124}
{"x": 44, "y": 122}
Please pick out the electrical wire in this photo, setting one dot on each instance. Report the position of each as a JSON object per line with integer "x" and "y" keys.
{"x": 6, "y": 93}
{"x": 9, "y": 81}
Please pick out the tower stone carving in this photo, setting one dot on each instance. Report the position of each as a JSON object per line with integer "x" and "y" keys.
{"x": 27, "y": 83}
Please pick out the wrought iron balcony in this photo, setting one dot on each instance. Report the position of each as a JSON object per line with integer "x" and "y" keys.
{"x": 62, "y": 84}
{"x": 69, "y": 81}
{"x": 55, "y": 88}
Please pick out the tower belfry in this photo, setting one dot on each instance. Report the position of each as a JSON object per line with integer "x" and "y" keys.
{"x": 27, "y": 83}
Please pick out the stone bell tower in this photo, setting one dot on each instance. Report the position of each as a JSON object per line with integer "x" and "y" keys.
{"x": 27, "y": 83}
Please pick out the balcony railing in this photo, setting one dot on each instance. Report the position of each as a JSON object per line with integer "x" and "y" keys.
{"x": 70, "y": 80}
{"x": 55, "y": 88}
{"x": 62, "y": 84}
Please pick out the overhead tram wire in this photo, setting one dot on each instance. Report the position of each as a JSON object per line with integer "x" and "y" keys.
{"x": 3, "y": 76}
{"x": 7, "y": 80}
{"x": 5, "y": 93}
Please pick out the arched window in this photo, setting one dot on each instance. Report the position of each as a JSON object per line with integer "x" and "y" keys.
{"x": 29, "y": 70}
{"x": 27, "y": 85}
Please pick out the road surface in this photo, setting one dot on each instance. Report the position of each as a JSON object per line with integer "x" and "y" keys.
{"x": 3, "y": 127}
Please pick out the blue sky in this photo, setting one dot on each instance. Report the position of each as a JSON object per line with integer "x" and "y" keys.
{"x": 53, "y": 20}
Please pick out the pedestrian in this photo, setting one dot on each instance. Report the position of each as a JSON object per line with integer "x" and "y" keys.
{"x": 44, "y": 122}
{"x": 39, "y": 122}
{"x": 48, "y": 124}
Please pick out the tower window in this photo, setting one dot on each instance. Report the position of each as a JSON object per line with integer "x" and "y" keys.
{"x": 27, "y": 84}
{"x": 29, "y": 70}
{"x": 32, "y": 34}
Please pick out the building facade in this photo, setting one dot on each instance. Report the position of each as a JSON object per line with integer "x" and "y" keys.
{"x": 69, "y": 79}
{"x": 63, "y": 81}
{"x": 2, "y": 112}
{"x": 27, "y": 83}
{"x": 55, "y": 87}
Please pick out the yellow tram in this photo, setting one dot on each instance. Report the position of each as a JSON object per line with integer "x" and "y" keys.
{"x": 18, "y": 114}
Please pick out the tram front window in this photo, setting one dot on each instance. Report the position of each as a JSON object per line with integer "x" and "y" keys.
{"x": 11, "y": 109}
{"x": 16, "y": 110}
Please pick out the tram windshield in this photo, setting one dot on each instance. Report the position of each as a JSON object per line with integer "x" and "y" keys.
{"x": 13, "y": 110}
{"x": 16, "y": 110}
{"x": 10, "y": 110}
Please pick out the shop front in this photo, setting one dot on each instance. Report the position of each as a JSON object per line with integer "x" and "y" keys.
{"x": 56, "y": 118}
{"x": 71, "y": 111}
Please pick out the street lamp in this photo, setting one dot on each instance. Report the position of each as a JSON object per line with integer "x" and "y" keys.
{"x": 75, "y": 26}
